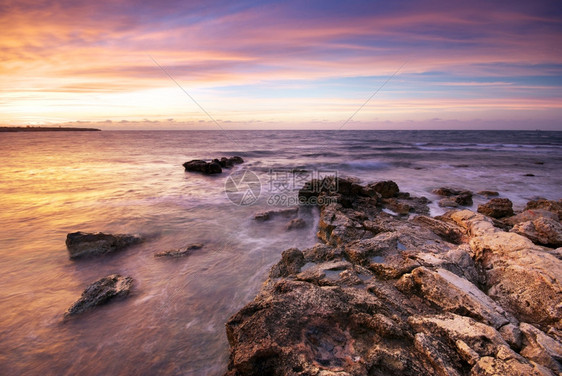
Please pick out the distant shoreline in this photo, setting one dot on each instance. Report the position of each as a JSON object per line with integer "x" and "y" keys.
{"x": 47, "y": 129}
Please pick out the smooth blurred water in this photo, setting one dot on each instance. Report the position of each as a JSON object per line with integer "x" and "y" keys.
{"x": 133, "y": 182}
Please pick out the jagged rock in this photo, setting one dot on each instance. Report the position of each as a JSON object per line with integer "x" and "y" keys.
{"x": 445, "y": 230}
{"x": 488, "y": 193}
{"x": 208, "y": 168}
{"x": 455, "y": 294}
{"x": 296, "y": 224}
{"x": 384, "y": 295}
{"x": 497, "y": 208}
{"x": 550, "y": 205}
{"x": 541, "y": 348}
{"x": 182, "y": 252}
{"x": 529, "y": 215}
{"x": 291, "y": 262}
{"x": 386, "y": 189}
{"x": 520, "y": 276}
{"x": 229, "y": 162}
{"x": 100, "y": 292}
{"x": 82, "y": 244}
{"x": 453, "y": 197}
{"x": 545, "y": 231}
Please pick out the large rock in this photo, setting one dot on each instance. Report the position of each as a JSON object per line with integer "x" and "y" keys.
{"x": 520, "y": 276}
{"x": 82, "y": 244}
{"x": 101, "y": 292}
{"x": 386, "y": 189}
{"x": 386, "y": 295}
{"x": 529, "y": 215}
{"x": 544, "y": 231}
{"x": 497, "y": 208}
{"x": 550, "y": 205}
{"x": 198, "y": 165}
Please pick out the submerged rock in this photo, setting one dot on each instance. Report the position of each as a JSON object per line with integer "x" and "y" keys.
{"x": 198, "y": 165}
{"x": 101, "y": 292}
{"x": 213, "y": 167}
{"x": 386, "y": 295}
{"x": 82, "y": 244}
{"x": 453, "y": 197}
{"x": 271, "y": 214}
{"x": 185, "y": 251}
{"x": 488, "y": 193}
{"x": 296, "y": 224}
{"x": 497, "y": 208}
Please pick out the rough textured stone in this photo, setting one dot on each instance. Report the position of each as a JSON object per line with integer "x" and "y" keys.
{"x": 386, "y": 189}
{"x": 82, "y": 244}
{"x": 497, "y": 208}
{"x": 545, "y": 231}
{"x": 387, "y": 295}
{"x": 550, "y": 205}
{"x": 100, "y": 292}
{"x": 204, "y": 167}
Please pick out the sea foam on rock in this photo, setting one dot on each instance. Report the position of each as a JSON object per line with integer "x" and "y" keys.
{"x": 402, "y": 295}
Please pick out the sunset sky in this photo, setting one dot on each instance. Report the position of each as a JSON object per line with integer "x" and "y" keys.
{"x": 282, "y": 64}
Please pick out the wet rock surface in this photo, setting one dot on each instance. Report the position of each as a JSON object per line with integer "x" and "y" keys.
{"x": 101, "y": 292}
{"x": 82, "y": 244}
{"x": 181, "y": 252}
{"x": 213, "y": 167}
{"x": 497, "y": 208}
{"x": 406, "y": 294}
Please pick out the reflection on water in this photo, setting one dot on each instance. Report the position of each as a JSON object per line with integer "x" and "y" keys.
{"x": 133, "y": 182}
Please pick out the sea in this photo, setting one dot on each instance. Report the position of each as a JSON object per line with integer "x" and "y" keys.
{"x": 54, "y": 183}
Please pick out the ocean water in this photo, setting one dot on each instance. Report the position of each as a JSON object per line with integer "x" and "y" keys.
{"x": 133, "y": 182}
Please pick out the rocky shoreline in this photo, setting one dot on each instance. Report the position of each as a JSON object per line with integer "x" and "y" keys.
{"x": 392, "y": 291}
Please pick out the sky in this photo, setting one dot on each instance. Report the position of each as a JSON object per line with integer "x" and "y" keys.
{"x": 202, "y": 64}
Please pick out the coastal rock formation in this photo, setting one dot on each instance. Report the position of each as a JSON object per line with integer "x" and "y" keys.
{"x": 82, "y": 244}
{"x": 543, "y": 230}
{"x": 549, "y": 205}
{"x": 100, "y": 292}
{"x": 497, "y": 208}
{"x": 453, "y": 197}
{"x": 402, "y": 295}
{"x": 213, "y": 167}
{"x": 185, "y": 251}
{"x": 488, "y": 193}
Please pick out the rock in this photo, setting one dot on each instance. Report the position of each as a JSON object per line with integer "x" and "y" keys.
{"x": 446, "y": 192}
{"x": 100, "y": 292}
{"x": 529, "y": 215}
{"x": 271, "y": 214}
{"x": 464, "y": 198}
{"x": 529, "y": 175}
{"x": 229, "y": 162}
{"x": 208, "y": 168}
{"x": 497, "y": 208}
{"x": 445, "y": 230}
{"x": 296, "y": 224}
{"x": 386, "y": 189}
{"x": 545, "y": 231}
{"x": 455, "y": 294}
{"x": 520, "y": 276}
{"x": 291, "y": 262}
{"x": 386, "y": 295}
{"x": 82, "y": 244}
{"x": 488, "y": 193}
{"x": 448, "y": 202}
{"x": 552, "y": 206}
{"x": 541, "y": 348}
{"x": 185, "y": 251}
